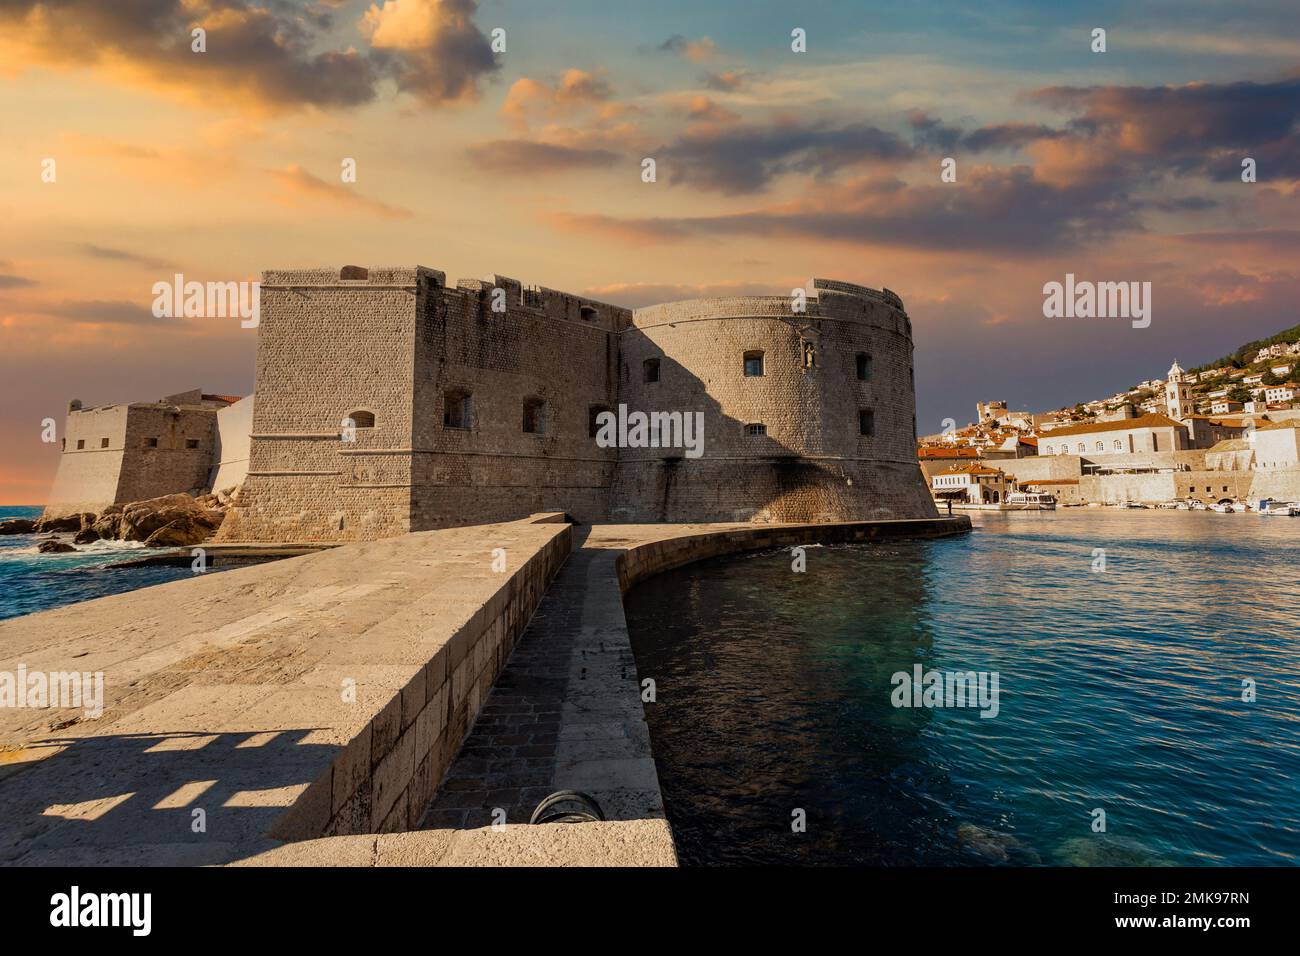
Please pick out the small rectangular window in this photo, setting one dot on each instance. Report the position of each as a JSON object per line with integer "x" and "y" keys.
{"x": 191, "y": 443}
{"x": 864, "y": 367}
{"x": 151, "y": 443}
{"x": 866, "y": 422}
{"x": 651, "y": 369}
{"x": 103, "y": 443}
{"x": 81, "y": 443}
{"x": 755, "y": 429}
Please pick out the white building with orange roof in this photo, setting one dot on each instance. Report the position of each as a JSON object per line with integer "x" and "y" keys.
{"x": 973, "y": 484}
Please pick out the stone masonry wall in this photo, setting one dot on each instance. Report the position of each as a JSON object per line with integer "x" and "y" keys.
{"x": 385, "y": 777}
{"x": 88, "y": 475}
{"x": 327, "y": 348}
{"x": 401, "y": 344}
{"x": 547, "y": 347}
{"x": 117, "y": 462}
{"x": 812, "y": 464}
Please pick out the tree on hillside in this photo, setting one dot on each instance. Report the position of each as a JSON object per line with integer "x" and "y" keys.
{"x": 1239, "y": 393}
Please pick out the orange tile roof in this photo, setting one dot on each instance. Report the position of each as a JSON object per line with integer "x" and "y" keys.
{"x": 1153, "y": 420}
{"x": 972, "y": 469}
{"x": 940, "y": 451}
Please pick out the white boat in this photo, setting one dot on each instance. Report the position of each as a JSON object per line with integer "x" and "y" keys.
{"x": 1132, "y": 504}
{"x": 1030, "y": 501}
{"x": 1183, "y": 506}
{"x": 1286, "y": 509}
{"x": 1169, "y": 505}
{"x": 1223, "y": 508}
{"x": 1196, "y": 505}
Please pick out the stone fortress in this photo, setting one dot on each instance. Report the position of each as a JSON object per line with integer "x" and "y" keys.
{"x": 387, "y": 401}
{"x": 112, "y": 454}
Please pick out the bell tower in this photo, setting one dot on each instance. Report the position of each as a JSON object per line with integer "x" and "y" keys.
{"x": 1178, "y": 394}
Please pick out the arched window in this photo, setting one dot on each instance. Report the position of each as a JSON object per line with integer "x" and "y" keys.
{"x": 1101, "y": 446}
{"x": 650, "y": 368}
{"x": 755, "y": 430}
{"x": 753, "y": 363}
{"x": 458, "y": 409}
{"x": 864, "y": 367}
{"x": 534, "y": 416}
{"x": 362, "y": 419}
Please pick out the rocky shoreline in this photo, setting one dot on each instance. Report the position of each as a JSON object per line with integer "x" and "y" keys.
{"x": 170, "y": 521}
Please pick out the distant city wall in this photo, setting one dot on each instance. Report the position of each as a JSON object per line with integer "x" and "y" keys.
{"x": 121, "y": 453}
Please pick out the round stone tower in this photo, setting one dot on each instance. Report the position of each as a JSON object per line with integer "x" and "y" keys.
{"x": 806, "y": 403}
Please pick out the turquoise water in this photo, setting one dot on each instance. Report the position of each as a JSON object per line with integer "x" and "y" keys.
{"x": 1120, "y": 690}
{"x": 30, "y": 581}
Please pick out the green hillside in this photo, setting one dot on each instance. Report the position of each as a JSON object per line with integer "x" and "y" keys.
{"x": 1245, "y": 353}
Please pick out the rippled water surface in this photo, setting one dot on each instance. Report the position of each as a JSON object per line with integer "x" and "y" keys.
{"x": 31, "y": 581}
{"x": 1119, "y": 690}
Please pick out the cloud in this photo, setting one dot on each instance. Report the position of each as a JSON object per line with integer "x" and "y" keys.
{"x": 696, "y": 51}
{"x": 726, "y": 81}
{"x": 514, "y": 156}
{"x": 296, "y": 180}
{"x": 434, "y": 48}
{"x": 635, "y": 295}
{"x": 15, "y": 282}
{"x": 932, "y": 133}
{"x": 1204, "y": 127}
{"x": 631, "y": 231}
{"x": 996, "y": 210}
{"x": 529, "y": 99}
{"x": 702, "y": 109}
{"x": 266, "y": 58}
{"x": 745, "y": 159}
{"x": 105, "y": 312}
{"x": 121, "y": 255}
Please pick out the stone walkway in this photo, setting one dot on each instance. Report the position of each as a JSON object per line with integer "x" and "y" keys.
{"x": 565, "y": 714}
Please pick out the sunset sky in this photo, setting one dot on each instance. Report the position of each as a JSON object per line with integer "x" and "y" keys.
{"x": 773, "y": 166}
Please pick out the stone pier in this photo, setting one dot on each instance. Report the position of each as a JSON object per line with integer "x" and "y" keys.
{"x": 368, "y": 705}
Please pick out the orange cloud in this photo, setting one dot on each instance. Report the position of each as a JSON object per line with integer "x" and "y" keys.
{"x": 296, "y": 180}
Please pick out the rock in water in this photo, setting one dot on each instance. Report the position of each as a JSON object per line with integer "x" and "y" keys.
{"x": 17, "y": 526}
{"x": 140, "y": 519}
{"x": 1102, "y": 849}
{"x": 179, "y": 533}
{"x": 63, "y": 523}
{"x": 108, "y": 524}
{"x": 54, "y": 547}
{"x": 996, "y": 846}
{"x": 85, "y": 536}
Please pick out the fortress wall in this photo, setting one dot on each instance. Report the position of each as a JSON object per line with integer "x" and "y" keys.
{"x": 233, "y": 442}
{"x": 171, "y": 467}
{"x": 326, "y": 348}
{"x": 399, "y": 343}
{"x": 1282, "y": 485}
{"x": 1039, "y": 467}
{"x": 543, "y": 347}
{"x": 87, "y": 477}
{"x": 812, "y": 465}
{"x": 1168, "y": 486}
